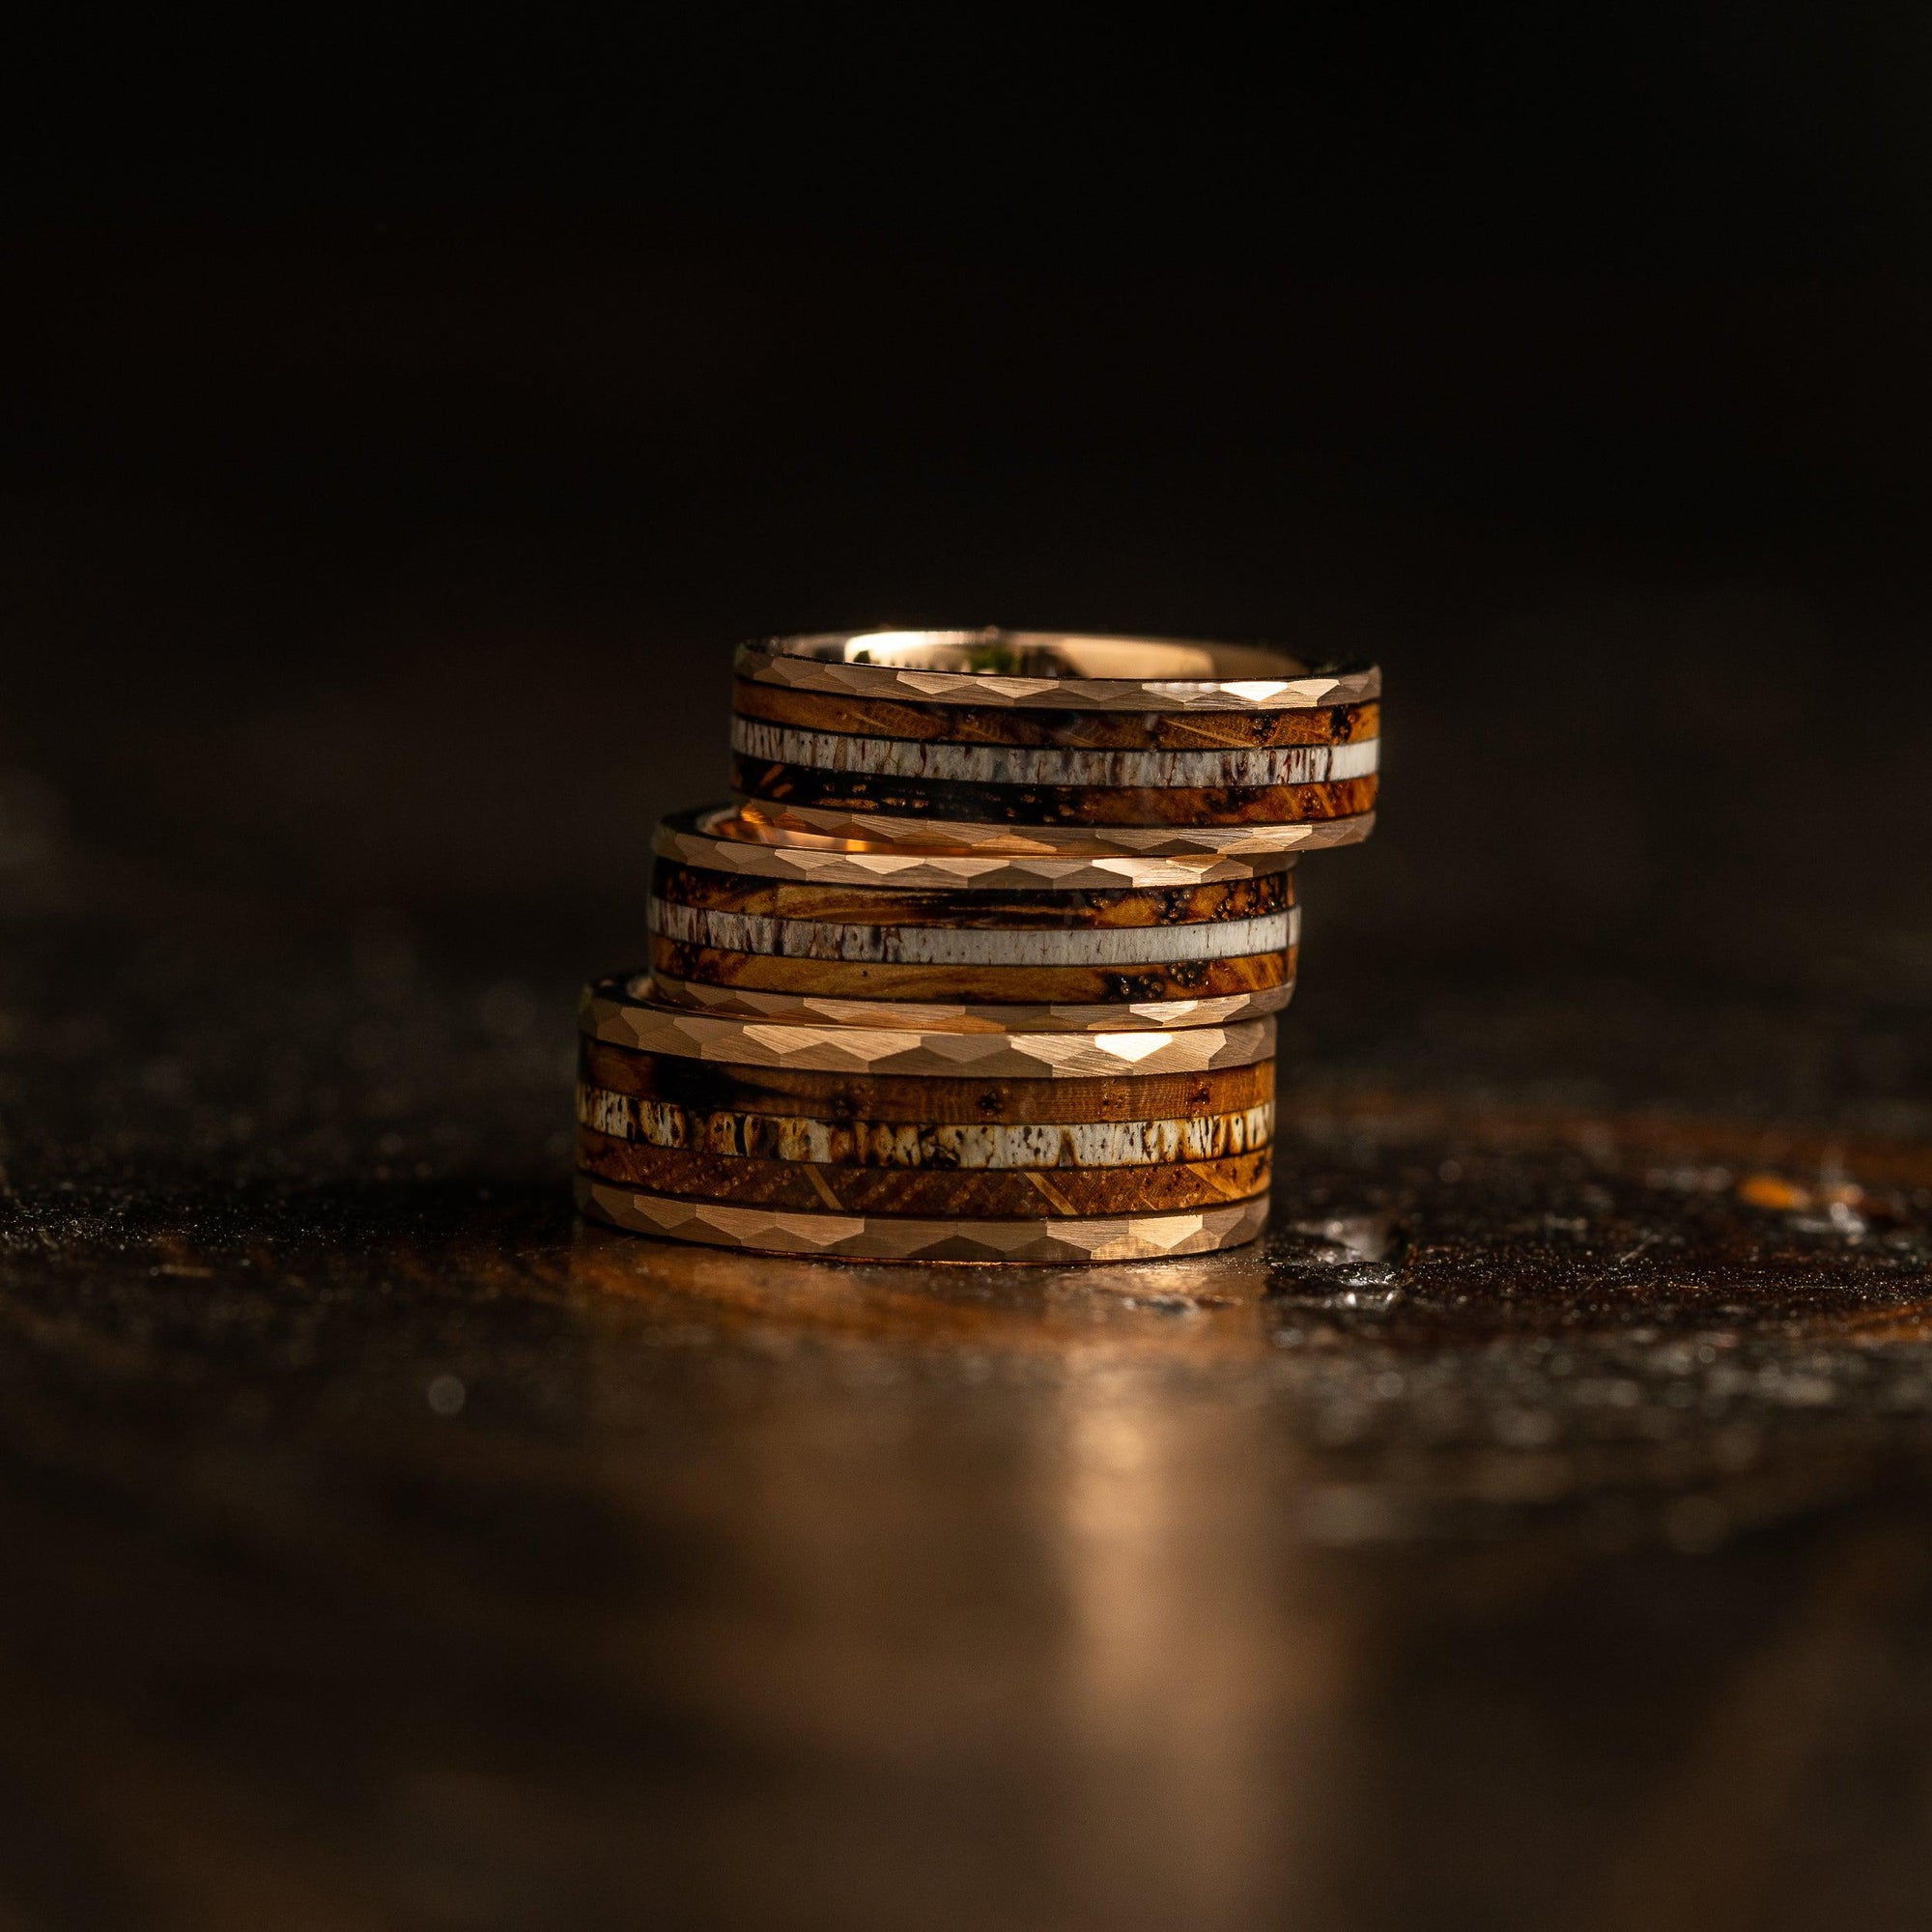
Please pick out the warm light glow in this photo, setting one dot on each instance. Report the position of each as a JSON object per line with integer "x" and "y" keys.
{"x": 906, "y": 648}
{"x": 1130, "y": 1045}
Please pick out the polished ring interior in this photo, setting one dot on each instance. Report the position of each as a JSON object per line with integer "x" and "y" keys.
{"x": 896, "y": 1238}
{"x": 1053, "y": 668}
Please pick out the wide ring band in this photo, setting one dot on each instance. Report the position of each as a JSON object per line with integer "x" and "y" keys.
{"x": 940, "y": 1145}
{"x": 798, "y": 923}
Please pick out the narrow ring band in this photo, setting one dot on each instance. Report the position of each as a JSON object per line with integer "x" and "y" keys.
{"x": 778, "y": 820}
{"x": 722, "y": 839}
{"x": 859, "y": 1237}
{"x": 750, "y": 1003}
{"x": 611, "y": 1012}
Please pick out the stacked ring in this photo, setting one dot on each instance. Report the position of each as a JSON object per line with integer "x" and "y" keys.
{"x": 897, "y": 1144}
{"x": 1053, "y": 941}
{"x": 1086, "y": 736}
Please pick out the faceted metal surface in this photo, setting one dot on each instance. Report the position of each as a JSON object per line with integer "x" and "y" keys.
{"x": 864, "y": 831}
{"x": 928, "y": 1016}
{"x": 1100, "y": 673}
{"x": 721, "y": 840}
{"x": 608, "y": 1012}
{"x": 1011, "y": 725}
{"x": 889, "y": 1238}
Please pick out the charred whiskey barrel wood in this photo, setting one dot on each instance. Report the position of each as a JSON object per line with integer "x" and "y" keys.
{"x": 710, "y": 1087}
{"x": 1059, "y": 805}
{"x": 992, "y": 1194}
{"x": 1196, "y": 979}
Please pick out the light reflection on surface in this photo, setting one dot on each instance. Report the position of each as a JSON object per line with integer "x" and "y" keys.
{"x": 1201, "y": 1668}
{"x": 1248, "y": 1589}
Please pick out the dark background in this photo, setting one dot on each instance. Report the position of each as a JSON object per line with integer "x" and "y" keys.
{"x": 402, "y": 430}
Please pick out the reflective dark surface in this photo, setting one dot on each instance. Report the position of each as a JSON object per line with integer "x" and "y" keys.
{"x": 1535, "y": 1530}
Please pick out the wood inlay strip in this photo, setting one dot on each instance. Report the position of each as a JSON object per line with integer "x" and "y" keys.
{"x": 1019, "y": 985}
{"x": 1066, "y": 731}
{"x": 969, "y": 907}
{"x": 1052, "y": 805}
{"x": 1231, "y": 768}
{"x": 699, "y": 1175}
{"x": 951, "y": 946}
{"x": 707, "y": 1087}
{"x": 907, "y": 1144}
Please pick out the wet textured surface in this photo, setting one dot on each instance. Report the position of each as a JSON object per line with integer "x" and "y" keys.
{"x": 1533, "y": 1530}
{"x": 1536, "y": 1533}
